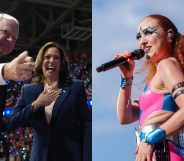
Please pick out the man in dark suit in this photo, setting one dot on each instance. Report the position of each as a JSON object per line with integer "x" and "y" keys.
{"x": 18, "y": 69}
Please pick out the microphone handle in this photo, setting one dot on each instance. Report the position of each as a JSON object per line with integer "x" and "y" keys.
{"x": 136, "y": 55}
{"x": 111, "y": 64}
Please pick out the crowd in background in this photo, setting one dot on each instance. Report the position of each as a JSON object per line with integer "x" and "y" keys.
{"x": 16, "y": 146}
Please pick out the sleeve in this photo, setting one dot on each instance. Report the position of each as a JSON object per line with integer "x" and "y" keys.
{"x": 3, "y": 94}
{"x": 2, "y": 81}
{"x": 85, "y": 114}
{"x": 21, "y": 113}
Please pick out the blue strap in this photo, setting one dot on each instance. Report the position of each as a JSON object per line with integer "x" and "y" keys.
{"x": 125, "y": 82}
{"x": 155, "y": 136}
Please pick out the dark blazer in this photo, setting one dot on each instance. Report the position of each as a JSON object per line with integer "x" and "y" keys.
{"x": 3, "y": 94}
{"x": 68, "y": 136}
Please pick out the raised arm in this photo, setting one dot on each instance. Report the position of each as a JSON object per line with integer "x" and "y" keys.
{"x": 127, "y": 112}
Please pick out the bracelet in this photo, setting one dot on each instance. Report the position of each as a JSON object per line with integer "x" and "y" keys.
{"x": 155, "y": 136}
{"x": 125, "y": 82}
{"x": 178, "y": 93}
{"x": 179, "y": 85}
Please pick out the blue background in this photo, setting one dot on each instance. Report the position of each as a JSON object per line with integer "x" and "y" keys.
{"x": 115, "y": 24}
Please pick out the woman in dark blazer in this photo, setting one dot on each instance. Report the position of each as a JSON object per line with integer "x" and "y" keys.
{"x": 56, "y": 106}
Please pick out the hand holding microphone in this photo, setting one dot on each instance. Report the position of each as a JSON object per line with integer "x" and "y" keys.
{"x": 135, "y": 55}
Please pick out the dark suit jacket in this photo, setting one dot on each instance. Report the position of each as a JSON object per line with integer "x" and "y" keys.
{"x": 3, "y": 93}
{"x": 68, "y": 136}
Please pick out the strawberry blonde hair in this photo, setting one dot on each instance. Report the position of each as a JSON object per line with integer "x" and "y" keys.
{"x": 177, "y": 44}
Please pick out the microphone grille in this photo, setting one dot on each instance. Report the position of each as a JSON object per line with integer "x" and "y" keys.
{"x": 140, "y": 53}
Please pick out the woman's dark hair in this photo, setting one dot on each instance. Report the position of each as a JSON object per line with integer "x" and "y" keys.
{"x": 38, "y": 76}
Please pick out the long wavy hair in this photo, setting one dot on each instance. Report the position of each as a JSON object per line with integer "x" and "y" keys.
{"x": 177, "y": 45}
{"x": 38, "y": 76}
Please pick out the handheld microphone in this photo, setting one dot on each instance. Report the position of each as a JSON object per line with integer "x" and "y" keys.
{"x": 136, "y": 55}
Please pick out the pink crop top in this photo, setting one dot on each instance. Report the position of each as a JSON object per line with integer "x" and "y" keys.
{"x": 150, "y": 101}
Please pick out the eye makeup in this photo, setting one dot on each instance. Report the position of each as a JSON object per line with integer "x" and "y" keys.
{"x": 147, "y": 31}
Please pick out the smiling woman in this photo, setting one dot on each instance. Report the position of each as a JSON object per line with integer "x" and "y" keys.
{"x": 56, "y": 106}
{"x": 51, "y": 65}
{"x": 160, "y": 107}
{"x": 49, "y": 58}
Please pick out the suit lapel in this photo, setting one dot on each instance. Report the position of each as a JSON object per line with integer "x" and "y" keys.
{"x": 38, "y": 89}
{"x": 58, "y": 104}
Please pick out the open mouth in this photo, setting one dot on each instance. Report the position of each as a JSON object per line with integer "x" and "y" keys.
{"x": 147, "y": 49}
{"x": 51, "y": 69}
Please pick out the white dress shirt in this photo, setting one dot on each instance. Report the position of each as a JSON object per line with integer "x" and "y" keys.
{"x": 2, "y": 81}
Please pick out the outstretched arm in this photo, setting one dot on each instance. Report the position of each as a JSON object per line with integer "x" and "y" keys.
{"x": 19, "y": 68}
